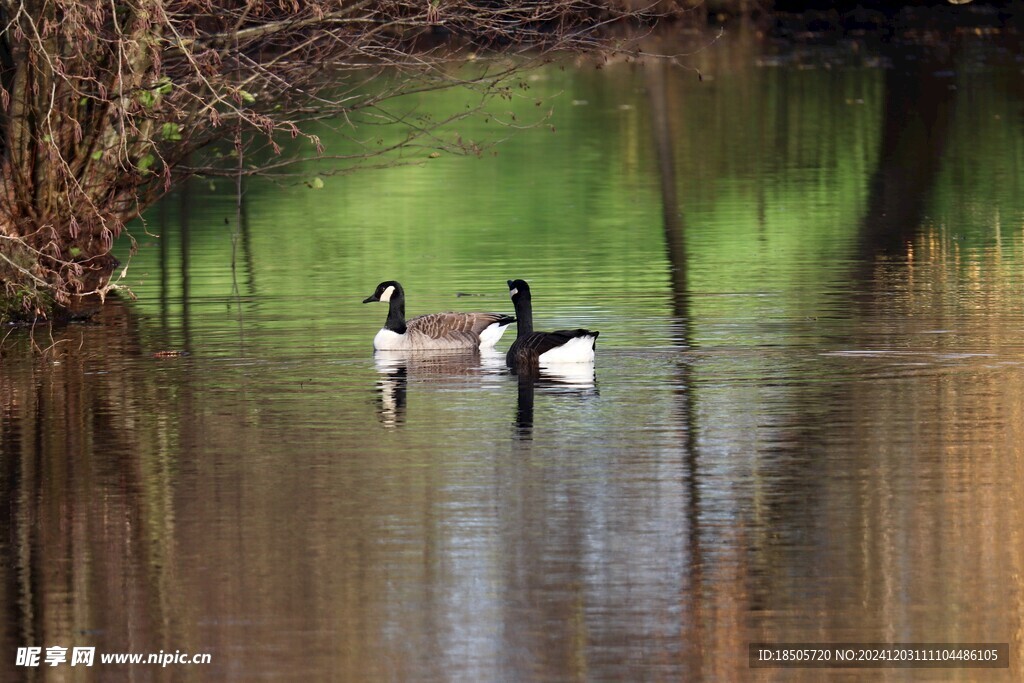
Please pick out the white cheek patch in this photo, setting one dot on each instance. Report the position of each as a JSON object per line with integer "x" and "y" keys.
{"x": 513, "y": 292}
{"x": 386, "y": 295}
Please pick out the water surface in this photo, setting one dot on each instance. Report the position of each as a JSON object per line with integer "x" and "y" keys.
{"x": 804, "y": 422}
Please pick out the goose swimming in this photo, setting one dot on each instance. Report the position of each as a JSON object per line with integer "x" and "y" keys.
{"x": 543, "y": 348}
{"x": 433, "y": 331}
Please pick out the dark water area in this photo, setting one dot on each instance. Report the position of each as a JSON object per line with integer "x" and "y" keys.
{"x": 805, "y": 422}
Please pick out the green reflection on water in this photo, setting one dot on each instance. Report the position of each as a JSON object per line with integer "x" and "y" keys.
{"x": 764, "y": 197}
{"x": 773, "y": 174}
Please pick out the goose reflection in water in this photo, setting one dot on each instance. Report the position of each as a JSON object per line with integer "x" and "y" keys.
{"x": 563, "y": 379}
{"x": 396, "y": 367}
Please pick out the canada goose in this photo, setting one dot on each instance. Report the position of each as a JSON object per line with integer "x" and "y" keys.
{"x": 561, "y": 346}
{"x": 433, "y": 331}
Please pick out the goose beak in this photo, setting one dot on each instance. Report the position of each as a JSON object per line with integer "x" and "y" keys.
{"x": 370, "y": 299}
{"x": 509, "y": 283}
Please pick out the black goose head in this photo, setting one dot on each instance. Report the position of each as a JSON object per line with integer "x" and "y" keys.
{"x": 393, "y": 295}
{"x": 385, "y": 292}
{"x": 518, "y": 289}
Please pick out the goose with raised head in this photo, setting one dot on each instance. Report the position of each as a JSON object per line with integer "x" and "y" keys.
{"x": 433, "y": 331}
{"x": 544, "y": 348}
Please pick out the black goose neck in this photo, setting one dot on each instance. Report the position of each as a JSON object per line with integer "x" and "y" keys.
{"x": 524, "y": 314}
{"x": 396, "y": 313}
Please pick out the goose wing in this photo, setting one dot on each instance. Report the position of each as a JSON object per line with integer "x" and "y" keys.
{"x": 481, "y": 321}
{"x": 451, "y": 326}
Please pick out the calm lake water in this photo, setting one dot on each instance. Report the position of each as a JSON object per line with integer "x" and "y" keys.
{"x": 805, "y": 422}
